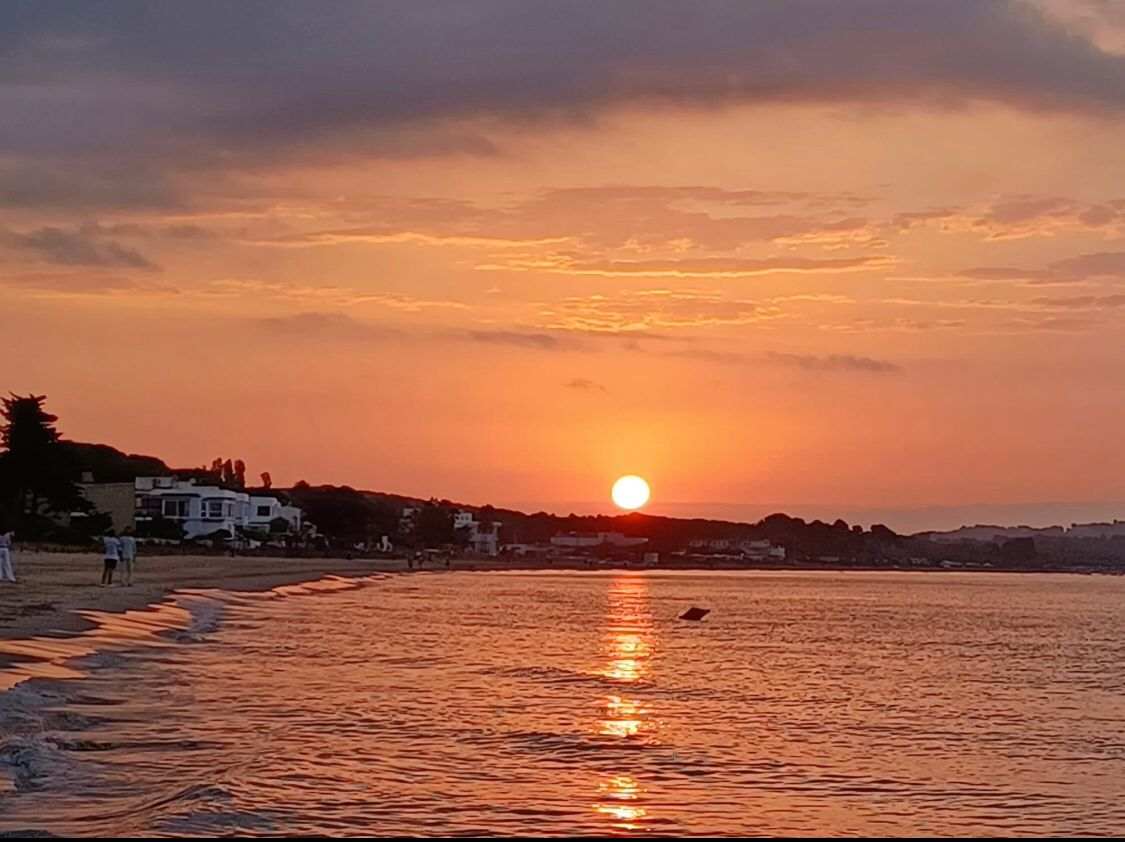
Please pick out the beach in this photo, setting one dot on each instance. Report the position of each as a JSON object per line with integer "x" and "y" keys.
{"x": 54, "y": 587}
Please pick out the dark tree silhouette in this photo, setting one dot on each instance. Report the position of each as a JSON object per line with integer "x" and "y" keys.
{"x": 435, "y": 526}
{"x": 342, "y": 513}
{"x": 37, "y": 475}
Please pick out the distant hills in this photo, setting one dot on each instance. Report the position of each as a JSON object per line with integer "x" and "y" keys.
{"x": 108, "y": 464}
{"x": 349, "y": 514}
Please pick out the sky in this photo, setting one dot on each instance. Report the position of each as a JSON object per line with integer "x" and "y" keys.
{"x": 859, "y": 258}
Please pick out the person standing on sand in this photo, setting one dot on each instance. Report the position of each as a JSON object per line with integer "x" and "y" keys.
{"x": 7, "y": 570}
{"x": 110, "y": 557}
{"x": 128, "y": 555}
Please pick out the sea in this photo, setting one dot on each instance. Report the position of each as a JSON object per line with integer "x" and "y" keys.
{"x": 577, "y": 703}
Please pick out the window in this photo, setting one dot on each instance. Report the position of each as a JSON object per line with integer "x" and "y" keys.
{"x": 175, "y": 508}
{"x": 263, "y": 511}
{"x": 213, "y": 509}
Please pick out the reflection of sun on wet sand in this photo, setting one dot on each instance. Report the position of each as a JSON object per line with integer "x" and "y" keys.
{"x": 628, "y": 636}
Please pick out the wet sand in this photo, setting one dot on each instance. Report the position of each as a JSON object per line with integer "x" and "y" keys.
{"x": 53, "y": 587}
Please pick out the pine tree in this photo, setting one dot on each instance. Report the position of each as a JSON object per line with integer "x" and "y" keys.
{"x": 37, "y": 476}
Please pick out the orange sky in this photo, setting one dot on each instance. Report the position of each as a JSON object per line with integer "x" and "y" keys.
{"x": 861, "y": 295}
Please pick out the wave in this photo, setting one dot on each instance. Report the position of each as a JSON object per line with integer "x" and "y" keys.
{"x": 37, "y": 679}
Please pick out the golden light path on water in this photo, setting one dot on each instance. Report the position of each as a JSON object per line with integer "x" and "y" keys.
{"x": 629, "y": 646}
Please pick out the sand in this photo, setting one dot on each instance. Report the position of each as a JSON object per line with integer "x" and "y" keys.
{"x": 53, "y": 586}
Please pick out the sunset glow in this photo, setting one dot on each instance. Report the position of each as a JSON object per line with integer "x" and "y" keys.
{"x": 851, "y": 259}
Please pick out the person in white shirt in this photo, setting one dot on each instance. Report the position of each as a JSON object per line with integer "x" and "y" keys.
{"x": 110, "y": 556}
{"x": 128, "y": 555}
{"x": 7, "y": 570}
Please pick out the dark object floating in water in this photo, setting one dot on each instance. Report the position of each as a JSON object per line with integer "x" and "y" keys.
{"x": 695, "y": 613}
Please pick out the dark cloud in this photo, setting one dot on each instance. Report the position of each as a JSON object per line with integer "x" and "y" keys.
{"x": 836, "y": 363}
{"x": 26, "y": 183}
{"x": 76, "y": 247}
{"x": 521, "y": 339}
{"x": 585, "y": 385}
{"x": 219, "y": 79}
{"x": 1083, "y": 267}
{"x": 831, "y": 363}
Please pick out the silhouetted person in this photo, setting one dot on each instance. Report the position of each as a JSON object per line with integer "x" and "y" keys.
{"x": 110, "y": 556}
{"x": 128, "y": 556}
{"x": 7, "y": 568}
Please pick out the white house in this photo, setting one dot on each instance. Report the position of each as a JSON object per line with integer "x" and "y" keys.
{"x": 265, "y": 509}
{"x": 760, "y": 550}
{"x": 199, "y": 509}
{"x": 484, "y": 538}
{"x": 595, "y": 539}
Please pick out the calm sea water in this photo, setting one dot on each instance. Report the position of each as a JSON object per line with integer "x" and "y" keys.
{"x": 569, "y": 703}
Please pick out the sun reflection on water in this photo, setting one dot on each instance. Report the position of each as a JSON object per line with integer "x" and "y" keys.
{"x": 628, "y": 649}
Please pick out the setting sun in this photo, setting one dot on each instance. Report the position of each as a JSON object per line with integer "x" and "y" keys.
{"x": 630, "y": 492}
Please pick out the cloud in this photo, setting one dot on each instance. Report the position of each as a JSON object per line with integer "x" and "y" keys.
{"x": 584, "y": 385}
{"x": 1083, "y": 267}
{"x": 86, "y": 282}
{"x": 829, "y": 363}
{"x": 325, "y": 326}
{"x": 701, "y": 267}
{"x": 227, "y": 78}
{"x": 375, "y": 236}
{"x": 1021, "y": 216}
{"x": 521, "y": 339}
{"x": 835, "y": 363}
{"x": 637, "y": 312}
{"x": 29, "y": 183}
{"x": 1082, "y": 302}
{"x": 76, "y": 247}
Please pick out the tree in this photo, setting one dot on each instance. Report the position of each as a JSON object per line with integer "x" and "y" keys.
{"x": 435, "y": 526}
{"x": 342, "y": 513}
{"x": 267, "y": 480}
{"x": 37, "y": 475}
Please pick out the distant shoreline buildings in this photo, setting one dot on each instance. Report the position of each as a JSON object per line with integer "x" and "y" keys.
{"x": 200, "y": 510}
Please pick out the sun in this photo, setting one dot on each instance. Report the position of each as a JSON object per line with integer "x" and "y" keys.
{"x": 630, "y": 492}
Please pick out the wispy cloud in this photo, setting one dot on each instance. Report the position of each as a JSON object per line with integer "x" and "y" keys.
{"x": 521, "y": 339}
{"x": 835, "y": 363}
{"x": 326, "y": 326}
{"x": 701, "y": 267}
{"x": 827, "y": 363}
{"x": 584, "y": 384}
{"x": 1083, "y": 267}
{"x": 76, "y": 247}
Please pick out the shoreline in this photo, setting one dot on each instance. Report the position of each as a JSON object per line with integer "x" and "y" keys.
{"x": 53, "y": 587}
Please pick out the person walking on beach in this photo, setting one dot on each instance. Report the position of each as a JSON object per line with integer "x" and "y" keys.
{"x": 7, "y": 569}
{"x": 110, "y": 557}
{"x": 128, "y": 555}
